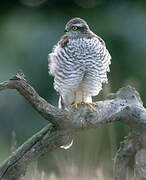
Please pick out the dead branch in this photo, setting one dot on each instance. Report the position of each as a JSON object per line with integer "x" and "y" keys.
{"x": 125, "y": 106}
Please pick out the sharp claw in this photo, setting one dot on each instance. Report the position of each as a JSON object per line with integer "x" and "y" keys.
{"x": 91, "y": 105}
{"x": 76, "y": 103}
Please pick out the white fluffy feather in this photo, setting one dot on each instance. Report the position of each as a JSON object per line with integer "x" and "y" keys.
{"x": 79, "y": 67}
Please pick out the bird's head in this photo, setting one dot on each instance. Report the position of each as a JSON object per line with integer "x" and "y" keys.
{"x": 76, "y": 28}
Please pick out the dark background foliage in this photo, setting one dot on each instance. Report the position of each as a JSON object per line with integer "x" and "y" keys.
{"x": 28, "y": 31}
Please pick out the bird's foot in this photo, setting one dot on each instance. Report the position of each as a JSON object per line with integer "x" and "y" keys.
{"x": 75, "y": 104}
{"x": 90, "y": 104}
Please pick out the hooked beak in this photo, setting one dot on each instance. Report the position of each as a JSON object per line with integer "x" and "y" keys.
{"x": 65, "y": 30}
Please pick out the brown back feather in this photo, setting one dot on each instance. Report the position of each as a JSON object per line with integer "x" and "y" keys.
{"x": 63, "y": 41}
{"x": 92, "y": 35}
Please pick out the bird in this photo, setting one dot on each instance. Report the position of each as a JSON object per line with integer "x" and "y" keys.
{"x": 79, "y": 63}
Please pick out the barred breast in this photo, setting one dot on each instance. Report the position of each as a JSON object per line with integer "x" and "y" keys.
{"x": 81, "y": 65}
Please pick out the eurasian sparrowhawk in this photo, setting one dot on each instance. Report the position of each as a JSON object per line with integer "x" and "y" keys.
{"x": 79, "y": 63}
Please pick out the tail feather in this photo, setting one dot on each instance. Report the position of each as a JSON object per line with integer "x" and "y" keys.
{"x": 68, "y": 145}
{"x": 61, "y": 105}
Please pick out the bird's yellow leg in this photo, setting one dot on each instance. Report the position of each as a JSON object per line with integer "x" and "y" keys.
{"x": 76, "y": 103}
{"x": 90, "y": 104}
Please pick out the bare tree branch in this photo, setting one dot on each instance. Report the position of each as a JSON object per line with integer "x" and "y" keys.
{"x": 140, "y": 160}
{"x": 46, "y": 110}
{"x": 127, "y": 151}
{"x": 125, "y": 105}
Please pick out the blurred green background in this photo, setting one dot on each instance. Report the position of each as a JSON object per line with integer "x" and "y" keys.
{"x": 28, "y": 31}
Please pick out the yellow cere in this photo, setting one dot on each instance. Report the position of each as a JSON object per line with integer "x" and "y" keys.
{"x": 74, "y": 28}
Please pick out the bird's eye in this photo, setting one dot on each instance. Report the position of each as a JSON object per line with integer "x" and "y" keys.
{"x": 74, "y": 28}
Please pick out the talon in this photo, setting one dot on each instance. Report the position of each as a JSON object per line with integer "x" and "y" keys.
{"x": 75, "y": 104}
{"x": 91, "y": 105}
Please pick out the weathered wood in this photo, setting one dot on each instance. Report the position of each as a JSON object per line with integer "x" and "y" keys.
{"x": 125, "y": 105}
